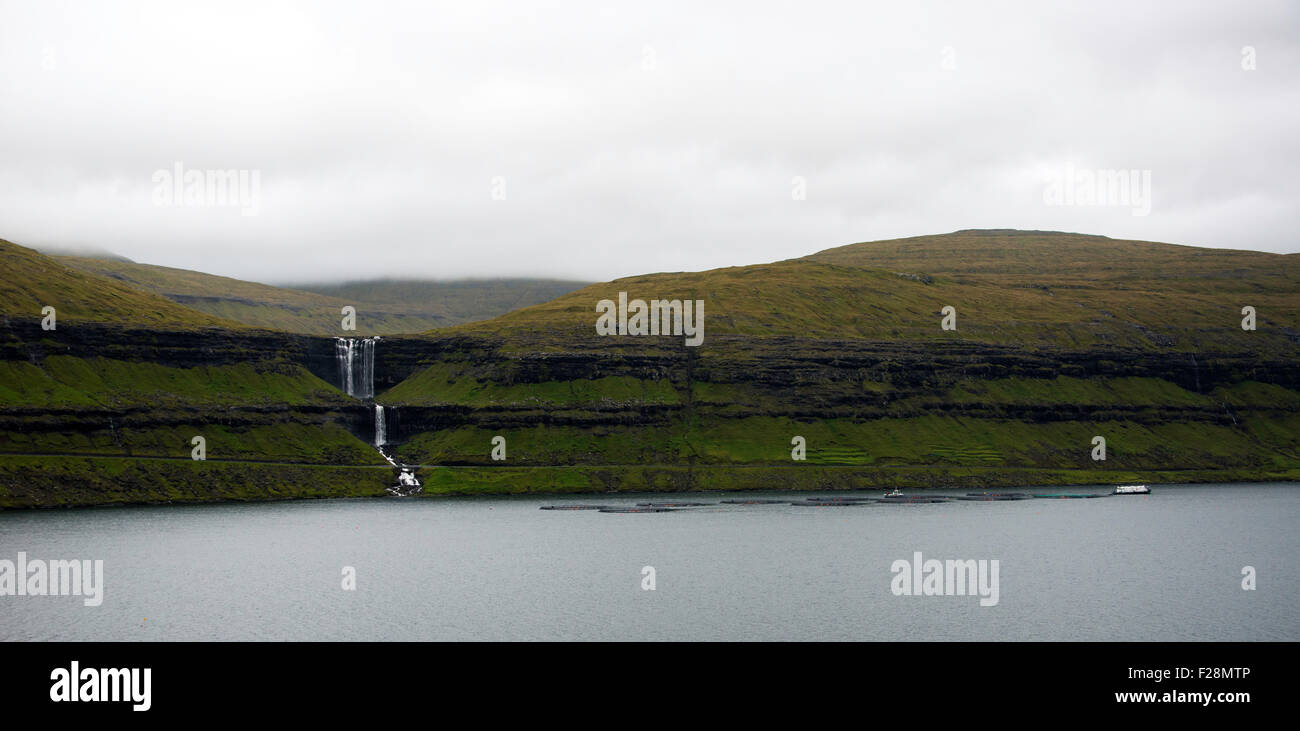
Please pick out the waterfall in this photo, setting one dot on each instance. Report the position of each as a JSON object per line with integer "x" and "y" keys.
{"x": 356, "y": 362}
{"x": 407, "y": 482}
{"x": 343, "y": 357}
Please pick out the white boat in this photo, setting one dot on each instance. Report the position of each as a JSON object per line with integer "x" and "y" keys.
{"x": 894, "y": 493}
{"x": 1132, "y": 490}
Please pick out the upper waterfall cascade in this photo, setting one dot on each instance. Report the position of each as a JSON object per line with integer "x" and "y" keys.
{"x": 356, "y": 363}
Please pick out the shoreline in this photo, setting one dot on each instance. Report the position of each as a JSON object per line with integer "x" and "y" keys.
{"x": 29, "y": 483}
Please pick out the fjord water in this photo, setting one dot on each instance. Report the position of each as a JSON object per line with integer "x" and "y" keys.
{"x": 1162, "y": 567}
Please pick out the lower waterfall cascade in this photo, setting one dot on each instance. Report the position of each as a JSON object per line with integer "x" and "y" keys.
{"x": 407, "y": 482}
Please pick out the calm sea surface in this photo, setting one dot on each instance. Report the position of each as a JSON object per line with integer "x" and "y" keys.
{"x": 1162, "y": 567}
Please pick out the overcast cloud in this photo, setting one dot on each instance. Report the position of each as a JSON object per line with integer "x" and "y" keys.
{"x": 633, "y": 137}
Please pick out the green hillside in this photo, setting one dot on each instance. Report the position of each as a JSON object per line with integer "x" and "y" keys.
{"x": 1052, "y": 257}
{"x": 1013, "y": 288}
{"x": 32, "y": 281}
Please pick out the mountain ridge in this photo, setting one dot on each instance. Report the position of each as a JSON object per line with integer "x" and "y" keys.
{"x": 1025, "y": 288}
{"x": 315, "y": 309}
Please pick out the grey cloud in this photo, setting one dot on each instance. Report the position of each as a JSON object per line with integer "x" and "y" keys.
{"x": 653, "y": 138}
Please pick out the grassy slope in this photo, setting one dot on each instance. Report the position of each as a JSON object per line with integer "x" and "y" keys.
{"x": 250, "y": 411}
{"x": 1168, "y": 441}
{"x": 62, "y": 381}
{"x": 675, "y": 478}
{"x": 1054, "y": 258}
{"x": 301, "y": 443}
{"x": 449, "y": 383}
{"x": 383, "y": 307}
{"x": 32, "y": 280}
{"x": 1036, "y": 289}
{"x": 48, "y": 482}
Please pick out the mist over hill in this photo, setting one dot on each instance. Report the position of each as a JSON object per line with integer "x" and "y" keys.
{"x": 451, "y": 302}
{"x": 85, "y": 251}
{"x": 384, "y": 307}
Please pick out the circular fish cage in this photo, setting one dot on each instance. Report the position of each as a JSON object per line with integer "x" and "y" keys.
{"x": 571, "y": 507}
{"x": 636, "y": 510}
{"x": 755, "y": 502}
{"x": 911, "y": 500}
{"x": 993, "y": 498}
{"x": 828, "y": 503}
{"x": 837, "y": 499}
{"x": 999, "y": 494}
{"x": 1072, "y": 496}
{"x": 671, "y": 505}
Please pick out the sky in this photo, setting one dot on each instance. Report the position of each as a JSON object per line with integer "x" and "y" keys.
{"x": 606, "y": 139}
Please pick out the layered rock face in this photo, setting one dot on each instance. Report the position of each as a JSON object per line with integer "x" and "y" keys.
{"x": 741, "y": 401}
{"x": 650, "y": 414}
{"x": 79, "y": 398}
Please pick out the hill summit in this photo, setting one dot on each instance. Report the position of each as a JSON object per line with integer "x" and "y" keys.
{"x": 1021, "y": 288}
